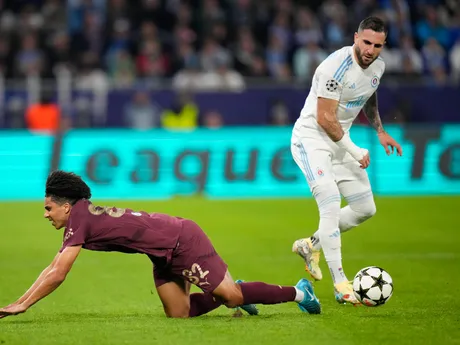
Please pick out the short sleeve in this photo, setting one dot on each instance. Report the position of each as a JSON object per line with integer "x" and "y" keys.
{"x": 328, "y": 86}
{"x": 75, "y": 233}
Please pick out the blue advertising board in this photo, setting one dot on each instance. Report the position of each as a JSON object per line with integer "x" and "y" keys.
{"x": 250, "y": 162}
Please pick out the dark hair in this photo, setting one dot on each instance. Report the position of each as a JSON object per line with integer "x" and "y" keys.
{"x": 64, "y": 187}
{"x": 373, "y": 23}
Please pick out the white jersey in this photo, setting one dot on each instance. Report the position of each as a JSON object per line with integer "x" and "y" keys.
{"x": 339, "y": 77}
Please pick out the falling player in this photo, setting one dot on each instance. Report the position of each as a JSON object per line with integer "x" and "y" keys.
{"x": 179, "y": 249}
{"x": 333, "y": 165}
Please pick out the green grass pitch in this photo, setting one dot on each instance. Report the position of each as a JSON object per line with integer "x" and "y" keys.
{"x": 108, "y": 299}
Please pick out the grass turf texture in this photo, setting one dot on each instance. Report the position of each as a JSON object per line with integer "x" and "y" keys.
{"x": 107, "y": 297}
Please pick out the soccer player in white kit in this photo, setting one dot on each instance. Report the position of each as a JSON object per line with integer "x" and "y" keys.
{"x": 333, "y": 165}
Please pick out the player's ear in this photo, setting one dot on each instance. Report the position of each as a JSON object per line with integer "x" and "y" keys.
{"x": 356, "y": 37}
{"x": 67, "y": 207}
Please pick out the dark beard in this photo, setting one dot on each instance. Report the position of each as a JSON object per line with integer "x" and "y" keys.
{"x": 360, "y": 58}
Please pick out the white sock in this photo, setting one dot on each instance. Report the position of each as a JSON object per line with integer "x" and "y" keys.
{"x": 335, "y": 267}
{"x": 348, "y": 220}
{"x": 299, "y": 295}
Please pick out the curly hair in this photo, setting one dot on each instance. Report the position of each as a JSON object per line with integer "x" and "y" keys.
{"x": 64, "y": 187}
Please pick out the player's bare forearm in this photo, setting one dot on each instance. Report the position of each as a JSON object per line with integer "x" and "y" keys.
{"x": 38, "y": 281}
{"x": 372, "y": 113}
{"x": 36, "y": 284}
{"x": 51, "y": 282}
{"x": 328, "y": 121}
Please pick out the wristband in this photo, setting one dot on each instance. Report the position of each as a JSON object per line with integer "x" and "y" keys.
{"x": 346, "y": 144}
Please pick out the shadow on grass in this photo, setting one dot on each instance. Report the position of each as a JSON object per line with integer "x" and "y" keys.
{"x": 126, "y": 317}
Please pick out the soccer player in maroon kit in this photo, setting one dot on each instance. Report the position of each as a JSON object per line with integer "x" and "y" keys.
{"x": 181, "y": 252}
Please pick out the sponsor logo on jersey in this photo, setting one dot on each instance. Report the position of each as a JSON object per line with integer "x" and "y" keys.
{"x": 320, "y": 172}
{"x": 359, "y": 102}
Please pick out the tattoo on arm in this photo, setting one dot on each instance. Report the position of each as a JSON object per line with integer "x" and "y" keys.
{"x": 372, "y": 113}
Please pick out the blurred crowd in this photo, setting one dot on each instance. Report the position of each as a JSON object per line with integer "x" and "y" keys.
{"x": 217, "y": 44}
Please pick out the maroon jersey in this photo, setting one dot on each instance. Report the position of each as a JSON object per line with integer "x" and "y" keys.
{"x": 122, "y": 230}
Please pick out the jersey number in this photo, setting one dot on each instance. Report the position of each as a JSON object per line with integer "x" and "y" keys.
{"x": 111, "y": 211}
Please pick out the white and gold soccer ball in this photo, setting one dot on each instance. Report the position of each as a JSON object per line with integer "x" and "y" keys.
{"x": 373, "y": 286}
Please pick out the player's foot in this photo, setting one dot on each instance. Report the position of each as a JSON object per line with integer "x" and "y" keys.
{"x": 310, "y": 303}
{"x": 251, "y": 309}
{"x": 344, "y": 293}
{"x": 304, "y": 248}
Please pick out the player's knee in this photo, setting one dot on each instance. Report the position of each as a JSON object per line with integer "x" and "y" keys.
{"x": 178, "y": 312}
{"x": 365, "y": 210}
{"x": 234, "y": 301}
{"x": 232, "y": 297}
{"x": 328, "y": 199}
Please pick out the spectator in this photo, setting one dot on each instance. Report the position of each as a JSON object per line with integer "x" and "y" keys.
{"x": 431, "y": 27}
{"x": 43, "y": 116}
{"x": 279, "y": 114}
{"x": 307, "y": 59}
{"x": 185, "y": 42}
{"x": 142, "y": 113}
{"x": 183, "y": 114}
{"x": 454, "y": 58}
{"x": 213, "y": 120}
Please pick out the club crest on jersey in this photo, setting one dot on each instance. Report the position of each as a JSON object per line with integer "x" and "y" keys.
{"x": 375, "y": 81}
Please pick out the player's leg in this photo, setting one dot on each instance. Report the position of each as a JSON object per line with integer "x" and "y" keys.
{"x": 234, "y": 295}
{"x": 316, "y": 164}
{"x": 303, "y": 247}
{"x": 174, "y": 293}
{"x": 354, "y": 185}
{"x": 196, "y": 261}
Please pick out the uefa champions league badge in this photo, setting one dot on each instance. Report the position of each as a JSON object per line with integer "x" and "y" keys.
{"x": 374, "y": 81}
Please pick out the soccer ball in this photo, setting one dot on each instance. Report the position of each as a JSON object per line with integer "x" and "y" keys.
{"x": 373, "y": 286}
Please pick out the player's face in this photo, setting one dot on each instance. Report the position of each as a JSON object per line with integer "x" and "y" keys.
{"x": 368, "y": 45}
{"x": 57, "y": 214}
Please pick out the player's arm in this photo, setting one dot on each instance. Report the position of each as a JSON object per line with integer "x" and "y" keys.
{"x": 329, "y": 92}
{"x": 37, "y": 282}
{"x": 50, "y": 282}
{"x": 372, "y": 114}
{"x": 327, "y": 118}
{"x": 55, "y": 276}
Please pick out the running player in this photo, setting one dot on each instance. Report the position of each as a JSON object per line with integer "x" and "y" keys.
{"x": 343, "y": 85}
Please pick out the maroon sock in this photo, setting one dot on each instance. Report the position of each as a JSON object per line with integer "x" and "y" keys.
{"x": 202, "y": 303}
{"x": 261, "y": 293}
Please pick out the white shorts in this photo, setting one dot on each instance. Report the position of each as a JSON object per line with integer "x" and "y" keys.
{"x": 322, "y": 162}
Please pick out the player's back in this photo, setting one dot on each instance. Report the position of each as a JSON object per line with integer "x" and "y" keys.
{"x": 124, "y": 230}
{"x": 338, "y": 77}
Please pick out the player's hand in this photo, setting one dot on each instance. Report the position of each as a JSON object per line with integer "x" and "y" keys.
{"x": 364, "y": 163}
{"x": 9, "y": 305}
{"x": 388, "y": 142}
{"x": 12, "y": 309}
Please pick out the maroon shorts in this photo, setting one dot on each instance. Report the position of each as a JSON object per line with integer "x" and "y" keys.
{"x": 194, "y": 260}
